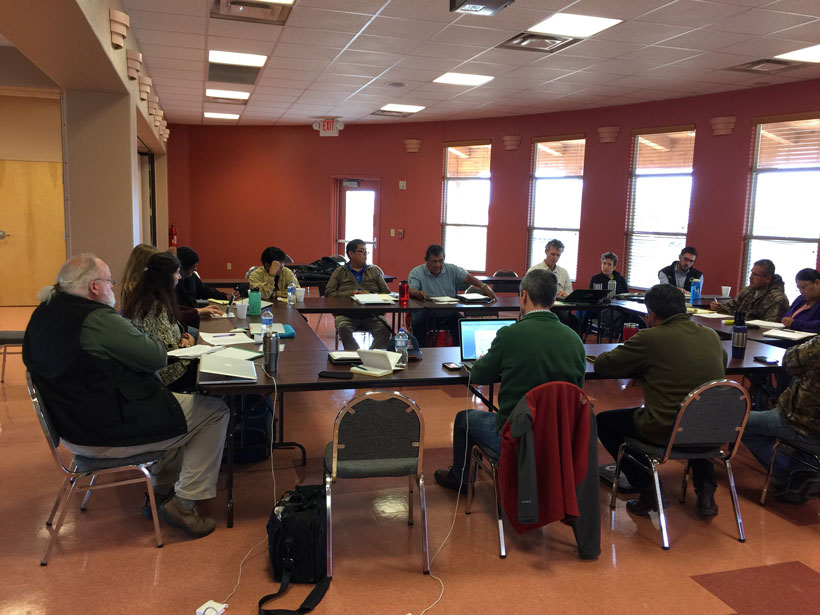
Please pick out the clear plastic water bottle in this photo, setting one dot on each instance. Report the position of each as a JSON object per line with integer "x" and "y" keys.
{"x": 267, "y": 321}
{"x": 694, "y": 291}
{"x": 402, "y": 342}
{"x": 292, "y": 293}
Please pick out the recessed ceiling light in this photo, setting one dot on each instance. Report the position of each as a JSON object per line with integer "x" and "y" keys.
{"x": 227, "y": 94}
{"x": 808, "y": 54}
{"x": 239, "y": 59}
{"x": 463, "y": 79}
{"x": 402, "y": 108}
{"x": 573, "y": 25}
{"x": 221, "y": 116}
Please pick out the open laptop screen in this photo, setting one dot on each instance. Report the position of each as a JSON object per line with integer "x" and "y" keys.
{"x": 478, "y": 334}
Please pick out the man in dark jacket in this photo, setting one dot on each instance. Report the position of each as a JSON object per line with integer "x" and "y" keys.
{"x": 682, "y": 272}
{"x": 96, "y": 376}
{"x": 763, "y": 299}
{"x": 671, "y": 358}
{"x": 190, "y": 287}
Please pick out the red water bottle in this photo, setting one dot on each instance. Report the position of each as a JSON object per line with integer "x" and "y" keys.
{"x": 404, "y": 291}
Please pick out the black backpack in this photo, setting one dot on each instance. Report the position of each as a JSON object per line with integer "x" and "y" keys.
{"x": 320, "y": 269}
{"x": 297, "y": 545}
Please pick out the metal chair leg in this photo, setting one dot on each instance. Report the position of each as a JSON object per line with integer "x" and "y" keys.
{"x": 614, "y": 497}
{"x": 425, "y": 549}
{"x": 735, "y": 502}
{"x": 60, "y": 495}
{"x": 87, "y": 497}
{"x": 410, "y": 500}
{"x": 3, "y": 374}
{"x": 502, "y": 549}
{"x": 56, "y": 530}
{"x": 661, "y": 513}
{"x": 474, "y": 463}
{"x": 329, "y": 522}
{"x": 153, "y": 503}
{"x": 684, "y": 483}
{"x": 775, "y": 451}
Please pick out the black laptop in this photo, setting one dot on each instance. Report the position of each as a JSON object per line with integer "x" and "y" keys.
{"x": 590, "y": 296}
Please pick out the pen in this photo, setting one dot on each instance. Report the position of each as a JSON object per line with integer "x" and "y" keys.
{"x": 224, "y": 334}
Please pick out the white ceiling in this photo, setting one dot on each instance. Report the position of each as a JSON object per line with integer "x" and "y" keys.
{"x": 335, "y": 57}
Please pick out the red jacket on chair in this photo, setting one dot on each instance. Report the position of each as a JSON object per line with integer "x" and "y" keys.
{"x": 544, "y": 455}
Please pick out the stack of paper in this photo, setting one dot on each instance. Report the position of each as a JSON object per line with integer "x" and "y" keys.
{"x": 371, "y": 298}
{"x": 765, "y": 324}
{"x": 224, "y": 339}
{"x": 192, "y": 352}
{"x": 443, "y": 299}
{"x": 789, "y": 335}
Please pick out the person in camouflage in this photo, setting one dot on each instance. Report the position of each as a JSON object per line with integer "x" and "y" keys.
{"x": 763, "y": 299}
{"x": 796, "y": 418}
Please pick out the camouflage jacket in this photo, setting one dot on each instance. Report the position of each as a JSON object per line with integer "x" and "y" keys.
{"x": 800, "y": 403}
{"x": 770, "y": 304}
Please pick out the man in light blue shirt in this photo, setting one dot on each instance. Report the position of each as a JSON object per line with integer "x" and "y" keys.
{"x": 435, "y": 278}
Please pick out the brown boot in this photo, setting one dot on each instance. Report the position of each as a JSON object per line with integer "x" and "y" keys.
{"x": 189, "y": 521}
{"x": 706, "y": 505}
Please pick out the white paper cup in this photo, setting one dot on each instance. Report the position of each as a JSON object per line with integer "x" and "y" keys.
{"x": 726, "y": 291}
{"x": 241, "y": 310}
{"x": 300, "y": 294}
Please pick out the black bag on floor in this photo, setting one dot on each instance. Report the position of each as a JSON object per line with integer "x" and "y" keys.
{"x": 297, "y": 545}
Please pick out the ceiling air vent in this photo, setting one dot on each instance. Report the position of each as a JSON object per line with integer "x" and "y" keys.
{"x": 767, "y": 66}
{"x": 230, "y": 73}
{"x": 542, "y": 43}
{"x": 250, "y": 10}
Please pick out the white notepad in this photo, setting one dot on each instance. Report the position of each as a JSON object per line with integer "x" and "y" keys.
{"x": 376, "y": 362}
{"x": 766, "y": 324}
{"x": 224, "y": 339}
{"x": 192, "y": 352}
{"x": 371, "y": 298}
{"x": 443, "y": 299}
{"x": 789, "y": 335}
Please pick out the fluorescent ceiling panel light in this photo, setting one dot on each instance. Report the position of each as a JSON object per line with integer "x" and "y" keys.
{"x": 807, "y": 54}
{"x": 568, "y": 24}
{"x": 402, "y": 108}
{"x": 463, "y": 79}
{"x": 221, "y": 116}
{"x": 238, "y": 59}
{"x": 652, "y": 144}
{"x": 227, "y": 94}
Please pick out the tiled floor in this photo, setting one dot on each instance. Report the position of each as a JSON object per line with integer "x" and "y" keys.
{"x": 105, "y": 561}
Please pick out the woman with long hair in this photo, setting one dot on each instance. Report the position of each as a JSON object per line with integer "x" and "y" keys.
{"x": 152, "y": 307}
{"x": 134, "y": 269}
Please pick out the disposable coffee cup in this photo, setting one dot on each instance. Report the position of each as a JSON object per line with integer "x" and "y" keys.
{"x": 726, "y": 291}
{"x": 300, "y": 294}
{"x": 241, "y": 310}
{"x": 597, "y": 287}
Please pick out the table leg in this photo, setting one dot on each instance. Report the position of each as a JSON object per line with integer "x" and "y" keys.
{"x": 229, "y": 468}
{"x": 280, "y": 443}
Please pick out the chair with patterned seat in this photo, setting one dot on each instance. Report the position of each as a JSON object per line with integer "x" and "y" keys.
{"x": 9, "y": 338}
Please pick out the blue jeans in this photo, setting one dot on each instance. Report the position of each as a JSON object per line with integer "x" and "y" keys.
{"x": 472, "y": 427}
{"x": 762, "y": 429}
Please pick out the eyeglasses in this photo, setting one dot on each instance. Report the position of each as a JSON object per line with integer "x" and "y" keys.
{"x": 111, "y": 281}
{"x": 362, "y": 251}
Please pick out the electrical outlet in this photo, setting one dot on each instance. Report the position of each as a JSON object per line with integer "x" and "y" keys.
{"x": 229, "y": 267}
{"x": 401, "y": 233}
{"x": 402, "y": 185}
{"x": 392, "y": 232}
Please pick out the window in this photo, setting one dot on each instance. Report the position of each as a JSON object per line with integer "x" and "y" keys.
{"x": 785, "y": 199}
{"x": 659, "y": 208}
{"x": 555, "y": 212}
{"x": 466, "y": 204}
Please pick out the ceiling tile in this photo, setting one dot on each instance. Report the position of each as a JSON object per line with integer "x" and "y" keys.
{"x": 175, "y": 39}
{"x": 447, "y": 51}
{"x": 436, "y": 64}
{"x": 385, "y": 44}
{"x": 194, "y": 8}
{"x": 623, "y": 9}
{"x": 595, "y": 48}
{"x": 173, "y": 63}
{"x": 485, "y": 68}
{"x": 239, "y": 45}
{"x": 371, "y": 58}
{"x": 343, "y": 79}
{"x": 706, "y": 40}
{"x": 589, "y": 77}
{"x": 565, "y": 61}
{"x": 692, "y": 13}
{"x": 517, "y": 19}
{"x": 179, "y": 53}
{"x": 314, "y": 36}
{"x": 337, "y": 21}
{"x": 540, "y": 74}
{"x": 369, "y": 7}
{"x": 404, "y": 28}
{"x": 763, "y": 47}
{"x": 294, "y": 75}
{"x": 622, "y": 67}
{"x": 658, "y": 55}
{"x": 759, "y": 22}
{"x": 181, "y": 75}
{"x": 401, "y": 73}
{"x": 422, "y": 10}
{"x": 166, "y": 22}
{"x": 809, "y": 33}
{"x": 297, "y": 64}
{"x": 466, "y": 35}
{"x": 308, "y": 52}
{"x": 346, "y": 68}
{"x": 801, "y": 7}
{"x": 512, "y": 57}
{"x": 640, "y": 32}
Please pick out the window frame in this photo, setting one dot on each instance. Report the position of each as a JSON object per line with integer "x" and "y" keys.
{"x": 444, "y": 185}
{"x": 531, "y": 227}
{"x": 631, "y": 233}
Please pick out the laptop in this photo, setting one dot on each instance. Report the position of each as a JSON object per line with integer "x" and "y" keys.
{"x": 217, "y": 369}
{"x": 477, "y": 334}
{"x": 590, "y": 296}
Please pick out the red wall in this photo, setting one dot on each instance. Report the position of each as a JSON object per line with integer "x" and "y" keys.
{"x": 233, "y": 190}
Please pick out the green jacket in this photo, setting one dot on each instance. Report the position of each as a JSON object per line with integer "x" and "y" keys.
{"x": 800, "y": 403}
{"x": 670, "y": 360}
{"x": 535, "y": 350}
{"x": 342, "y": 282}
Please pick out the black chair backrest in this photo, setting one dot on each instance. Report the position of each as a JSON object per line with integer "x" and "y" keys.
{"x": 373, "y": 428}
{"x": 506, "y": 287}
{"x": 714, "y": 414}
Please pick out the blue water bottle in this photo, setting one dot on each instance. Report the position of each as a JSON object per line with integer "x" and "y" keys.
{"x": 694, "y": 291}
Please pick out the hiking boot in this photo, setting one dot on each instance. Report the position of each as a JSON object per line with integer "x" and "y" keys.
{"x": 643, "y": 505}
{"x": 448, "y": 480}
{"x": 706, "y": 505}
{"x": 802, "y": 485}
{"x": 189, "y": 521}
{"x": 159, "y": 497}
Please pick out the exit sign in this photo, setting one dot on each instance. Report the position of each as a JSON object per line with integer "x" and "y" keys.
{"x": 328, "y": 127}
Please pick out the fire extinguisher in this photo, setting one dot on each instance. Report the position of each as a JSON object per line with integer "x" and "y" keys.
{"x": 172, "y": 236}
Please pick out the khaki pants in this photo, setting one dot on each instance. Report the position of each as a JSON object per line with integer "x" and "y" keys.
{"x": 191, "y": 460}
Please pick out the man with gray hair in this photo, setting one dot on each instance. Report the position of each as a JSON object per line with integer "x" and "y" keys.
{"x": 535, "y": 350}
{"x": 96, "y": 375}
{"x": 552, "y": 252}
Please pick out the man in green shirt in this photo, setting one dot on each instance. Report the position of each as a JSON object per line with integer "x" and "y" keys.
{"x": 671, "y": 358}
{"x": 535, "y": 350}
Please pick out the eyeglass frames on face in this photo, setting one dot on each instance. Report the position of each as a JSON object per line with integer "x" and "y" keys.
{"x": 111, "y": 281}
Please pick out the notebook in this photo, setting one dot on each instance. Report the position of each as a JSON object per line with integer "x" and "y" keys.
{"x": 477, "y": 335}
{"x": 376, "y": 362}
{"x": 473, "y": 298}
{"x": 344, "y": 356}
{"x": 217, "y": 369}
{"x": 371, "y": 298}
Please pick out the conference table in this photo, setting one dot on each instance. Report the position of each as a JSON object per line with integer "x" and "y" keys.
{"x": 305, "y": 355}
